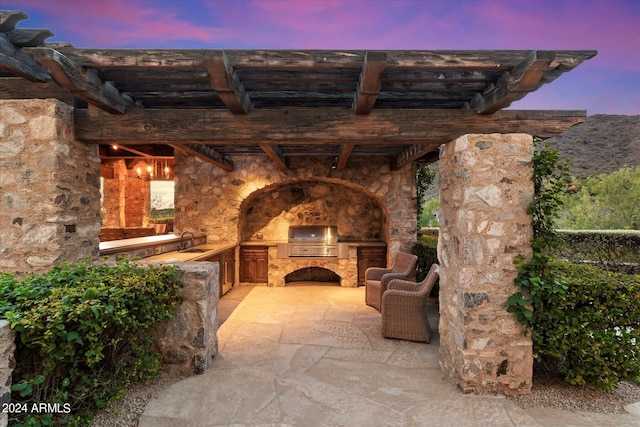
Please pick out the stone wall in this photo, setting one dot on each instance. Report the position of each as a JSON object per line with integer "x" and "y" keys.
{"x": 271, "y": 211}
{"x": 126, "y": 198}
{"x": 216, "y": 202}
{"x": 49, "y": 188}
{"x": 485, "y": 187}
{"x": 7, "y": 364}
{"x": 188, "y": 342}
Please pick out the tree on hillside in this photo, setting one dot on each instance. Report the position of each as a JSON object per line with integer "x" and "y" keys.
{"x": 604, "y": 202}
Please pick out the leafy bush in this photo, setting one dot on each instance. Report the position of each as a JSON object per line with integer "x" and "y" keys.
{"x": 591, "y": 332}
{"x": 426, "y": 248}
{"x": 83, "y": 333}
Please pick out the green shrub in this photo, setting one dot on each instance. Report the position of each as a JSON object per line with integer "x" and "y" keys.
{"x": 591, "y": 332}
{"x": 83, "y": 333}
{"x": 426, "y": 248}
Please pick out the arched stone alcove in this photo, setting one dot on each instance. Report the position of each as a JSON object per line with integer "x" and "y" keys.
{"x": 270, "y": 211}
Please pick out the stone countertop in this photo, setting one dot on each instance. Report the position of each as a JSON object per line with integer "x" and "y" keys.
{"x": 125, "y": 245}
{"x": 357, "y": 243}
{"x": 204, "y": 251}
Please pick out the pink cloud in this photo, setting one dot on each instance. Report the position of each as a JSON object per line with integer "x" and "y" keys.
{"x": 123, "y": 23}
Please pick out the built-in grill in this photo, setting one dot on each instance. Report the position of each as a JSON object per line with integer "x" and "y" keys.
{"x": 313, "y": 241}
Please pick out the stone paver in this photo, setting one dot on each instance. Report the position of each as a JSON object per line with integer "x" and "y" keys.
{"x": 314, "y": 356}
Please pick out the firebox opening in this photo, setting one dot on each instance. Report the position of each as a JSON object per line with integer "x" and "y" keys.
{"x": 312, "y": 276}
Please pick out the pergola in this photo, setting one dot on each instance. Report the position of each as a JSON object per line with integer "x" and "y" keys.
{"x": 216, "y": 104}
{"x": 271, "y": 118}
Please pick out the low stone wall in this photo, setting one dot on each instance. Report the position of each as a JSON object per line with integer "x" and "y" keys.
{"x": 7, "y": 363}
{"x": 188, "y": 342}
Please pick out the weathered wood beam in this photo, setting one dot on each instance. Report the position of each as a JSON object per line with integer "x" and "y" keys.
{"x": 29, "y": 37}
{"x": 83, "y": 83}
{"x": 225, "y": 81}
{"x": 19, "y": 88}
{"x": 275, "y": 154}
{"x": 10, "y": 18}
{"x": 343, "y": 157}
{"x": 206, "y": 154}
{"x": 312, "y": 126}
{"x": 20, "y": 63}
{"x": 414, "y": 152}
{"x": 421, "y": 60}
{"x": 514, "y": 85}
{"x": 370, "y": 82}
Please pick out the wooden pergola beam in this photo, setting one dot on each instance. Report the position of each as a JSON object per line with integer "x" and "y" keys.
{"x": 414, "y": 152}
{"x": 370, "y": 82}
{"x": 15, "y": 60}
{"x": 343, "y": 157}
{"x": 275, "y": 154}
{"x": 226, "y": 83}
{"x": 206, "y": 154}
{"x": 83, "y": 83}
{"x": 10, "y": 18}
{"x": 312, "y": 126}
{"x": 515, "y": 84}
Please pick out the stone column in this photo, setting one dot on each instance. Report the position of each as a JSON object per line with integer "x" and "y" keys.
{"x": 485, "y": 188}
{"x": 49, "y": 188}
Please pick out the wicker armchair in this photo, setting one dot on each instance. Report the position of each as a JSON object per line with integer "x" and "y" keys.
{"x": 377, "y": 278}
{"x": 404, "y": 308}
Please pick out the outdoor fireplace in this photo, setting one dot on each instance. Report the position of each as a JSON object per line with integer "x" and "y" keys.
{"x": 313, "y": 241}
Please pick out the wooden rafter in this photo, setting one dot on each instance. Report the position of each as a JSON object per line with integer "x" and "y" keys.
{"x": 19, "y": 88}
{"x": 10, "y": 18}
{"x": 275, "y": 154}
{"x": 313, "y": 126}
{"x": 15, "y": 60}
{"x": 343, "y": 157}
{"x": 515, "y": 84}
{"x": 83, "y": 83}
{"x": 29, "y": 37}
{"x": 370, "y": 82}
{"x": 205, "y": 153}
{"x": 226, "y": 83}
{"x": 414, "y": 152}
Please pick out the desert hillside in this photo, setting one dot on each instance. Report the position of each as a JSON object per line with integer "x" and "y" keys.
{"x": 602, "y": 144}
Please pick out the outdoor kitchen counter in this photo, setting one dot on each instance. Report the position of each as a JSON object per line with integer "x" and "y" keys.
{"x": 203, "y": 253}
{"x": 356, "y": 243}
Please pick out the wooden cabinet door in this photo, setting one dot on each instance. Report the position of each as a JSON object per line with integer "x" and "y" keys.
{"x": 254, "y": 264}
{"x": 370, "y": 257}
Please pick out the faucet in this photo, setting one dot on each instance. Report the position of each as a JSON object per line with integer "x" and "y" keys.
{"x": 184, "y": 245}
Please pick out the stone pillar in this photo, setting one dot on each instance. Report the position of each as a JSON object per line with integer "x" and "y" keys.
{"x": 188, "y": 341}
{"x": 486, "y": 186}
{"x": 49, "y": 188}
{"x": 7, "y": 363}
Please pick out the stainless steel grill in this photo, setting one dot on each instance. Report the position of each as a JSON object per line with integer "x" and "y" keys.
{"x": 313, "y": 241}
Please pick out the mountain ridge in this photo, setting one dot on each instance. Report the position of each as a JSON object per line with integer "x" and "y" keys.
{"x": 601, "y": 145}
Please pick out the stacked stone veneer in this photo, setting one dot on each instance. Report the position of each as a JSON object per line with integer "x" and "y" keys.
{"x": 127, "y": 198}
{"x": 485, "y": 187}
{"x": 271, "y": 211}
{"x": 7, "y": 363}
{"x": 188, "y": 341}
{"x": 49, "y": 188}
{"x": 345, "y": 268}
{"x": 374, "y": 200}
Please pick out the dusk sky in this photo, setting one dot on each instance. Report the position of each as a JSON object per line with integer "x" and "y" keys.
{"x": 606, "y": 84}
